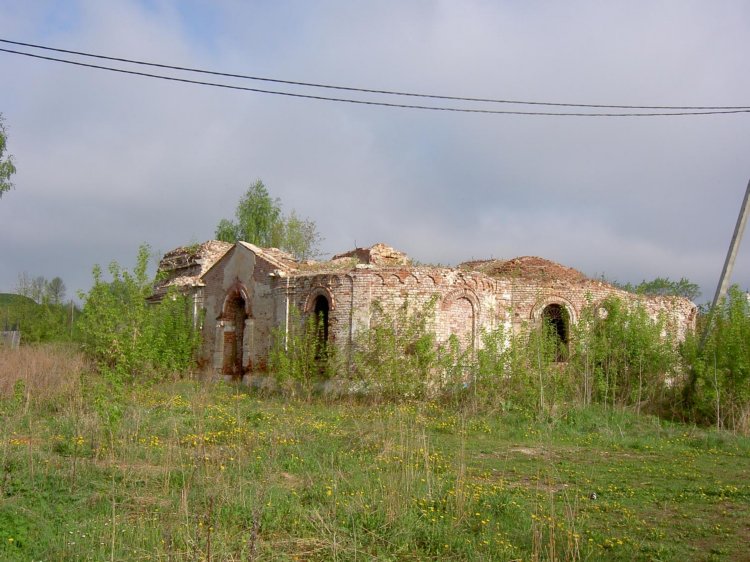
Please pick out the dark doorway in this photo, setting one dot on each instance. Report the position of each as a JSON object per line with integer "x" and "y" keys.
{"x": 556, "y": 317}
{"x": 320, "y": 311}
{"x": 235, "y": 316}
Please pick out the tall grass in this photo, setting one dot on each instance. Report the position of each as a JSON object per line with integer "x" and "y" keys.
{"x": 42, "y": 373}
{"x": 209, "y": 471}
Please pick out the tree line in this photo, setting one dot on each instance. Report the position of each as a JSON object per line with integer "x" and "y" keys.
{"x": 38, "y": 310}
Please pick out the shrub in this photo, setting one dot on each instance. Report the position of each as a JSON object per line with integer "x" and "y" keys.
{"x": 299, "y": 355}
{"x": 719, "y": 387}
{"x": 624, "y": 356}
{"x": 397, "y": 357}
{"x": 127, "y": 337}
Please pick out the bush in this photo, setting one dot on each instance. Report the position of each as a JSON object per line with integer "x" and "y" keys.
{"x": 397, "y": 358}
{"x": 299, "y": 356}
{"x": 127, "y": 337}
{"x": 719, "y": 387}
{"x": 617, "y": 355}
{"x": 624, "y": 356}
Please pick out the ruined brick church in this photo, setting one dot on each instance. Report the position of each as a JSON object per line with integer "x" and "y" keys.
{"x": 246, "y": 293}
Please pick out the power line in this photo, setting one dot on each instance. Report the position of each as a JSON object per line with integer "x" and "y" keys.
{"x": 368, "y": 90}
{"x": 371, "y": 102}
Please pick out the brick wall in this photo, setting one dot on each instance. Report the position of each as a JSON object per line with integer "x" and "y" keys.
{"x": 467, "y": 302}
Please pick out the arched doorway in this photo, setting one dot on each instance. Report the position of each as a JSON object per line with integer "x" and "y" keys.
{"x": 235, "y": 317}
{"x": 321, "y": 308}
{"x": 556, "y": 318}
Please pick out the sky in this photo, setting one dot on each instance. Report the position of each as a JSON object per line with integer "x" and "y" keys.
{"x": 107, "y": 162}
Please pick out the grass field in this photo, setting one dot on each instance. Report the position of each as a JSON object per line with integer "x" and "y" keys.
{"x": 190, "y": 470}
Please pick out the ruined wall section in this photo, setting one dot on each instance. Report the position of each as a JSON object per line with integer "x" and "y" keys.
{"x": 264, "y": 313}
{"x": 466, "y": 302}
{"x": 528, "y": 298}
{"x": 336, "y": 287}
{"x": 261, "y": 289}
{"x": 240, "y": 273}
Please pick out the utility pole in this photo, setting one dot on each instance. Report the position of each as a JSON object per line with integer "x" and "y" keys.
{"x": 726, "y": 273}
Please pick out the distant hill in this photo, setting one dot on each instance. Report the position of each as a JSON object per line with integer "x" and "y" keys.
{"x": 11, "y": 298}
{"x": 16, "y": 310}
{"x": 37, "y": 322}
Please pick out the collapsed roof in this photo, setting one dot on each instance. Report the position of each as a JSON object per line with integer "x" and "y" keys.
{"x": 527, "y": 268}
{"x": 186, "y": 265}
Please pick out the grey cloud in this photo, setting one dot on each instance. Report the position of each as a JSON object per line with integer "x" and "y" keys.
{"x": 107, "y": 162}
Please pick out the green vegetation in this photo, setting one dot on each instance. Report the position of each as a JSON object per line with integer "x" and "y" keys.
{"x": 617, "y": 356}
{"x": 43, "y": 322}
{"x": 396, "y": 359}
{"x": 719, "y": 387}
{"x": 41, "y": 290}
{"x": 127, "y": 337}
{"x": 12, "y": 299}
{"x": 664, "y": 286}
{"x": 259, "y": 220}
{"x": 625, "y": 357}
{"x": 540, "y": 445}
{"x": 7, "y": 168}
{"x": 210, "y": 471}
{"x": 38, "y": 311}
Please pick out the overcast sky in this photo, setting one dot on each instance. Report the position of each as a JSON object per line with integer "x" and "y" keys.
{"x": 107, "y": 162}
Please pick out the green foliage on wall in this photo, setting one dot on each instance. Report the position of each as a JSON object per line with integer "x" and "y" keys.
{"x": 396, "y": 358}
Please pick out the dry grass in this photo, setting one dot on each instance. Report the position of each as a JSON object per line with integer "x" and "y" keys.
{"x": 46, "y": 371}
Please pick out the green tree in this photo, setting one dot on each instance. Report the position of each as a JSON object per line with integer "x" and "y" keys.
{"x": 33, "y": 287}
{"x": 40, "y": 290}
{"x": 7, "y": 168}
{"x": 664, "y": 287}
{"x": 55, "y": 291}
{"x": 718, "y": 389}
{"x": 300, "y": 237}
{"x": 259, "y": 220}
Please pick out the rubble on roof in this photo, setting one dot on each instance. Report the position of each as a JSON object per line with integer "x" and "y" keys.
{"x": 184, "y": 266}
{"x": 198, "y": 257}
{"x": 378, "y": 254}
{"x": 529, "y": 268}
{"x": 274, "y": 256}
{"x": 282, "y": 257}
